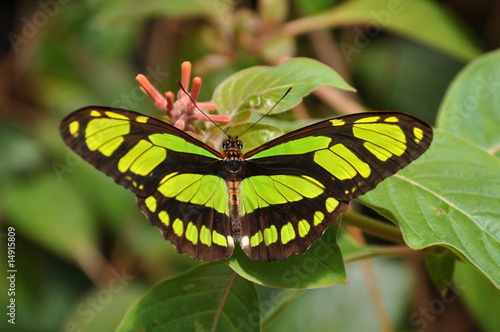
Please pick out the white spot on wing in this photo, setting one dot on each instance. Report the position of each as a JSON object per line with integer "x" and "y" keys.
{"x": 230, "y": 241}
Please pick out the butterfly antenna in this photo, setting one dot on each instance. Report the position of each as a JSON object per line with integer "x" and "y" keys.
{"x": 267, "y": 113}
{"x": 195, "y": 105}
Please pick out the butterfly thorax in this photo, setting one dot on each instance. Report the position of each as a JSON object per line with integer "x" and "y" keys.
{"x": 232, "y": 154}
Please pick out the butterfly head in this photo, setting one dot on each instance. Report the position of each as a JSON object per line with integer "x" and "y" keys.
{"x": 232, "y": 143}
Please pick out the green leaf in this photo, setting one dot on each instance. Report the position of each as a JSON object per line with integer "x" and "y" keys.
{"x": 440, "y": 265}
{"x": 340, "y": 308}
{"x": 207, "y": 298}
{"x": 450, "y": 196}
{"x": 259, "y": 88}
{"x": 257, "y": 135}
{"x": 479, "y": 295}
{"x": 470, "y": 109}
{"x": 423, "y": 20}
{"x": 320, "y": 266}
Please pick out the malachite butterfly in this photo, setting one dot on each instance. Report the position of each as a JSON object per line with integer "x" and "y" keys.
{"x": 275, "y": 200}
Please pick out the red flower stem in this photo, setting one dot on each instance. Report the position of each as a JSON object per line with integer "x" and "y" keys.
{"x": 185, "y": 77}
{"x": 195, "y": 90}
{"x": 150, "y": 90}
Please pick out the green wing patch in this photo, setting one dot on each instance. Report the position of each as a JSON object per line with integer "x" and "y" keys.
{"x": 275, "y": 200}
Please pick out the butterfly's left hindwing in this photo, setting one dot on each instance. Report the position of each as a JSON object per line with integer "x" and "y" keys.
{"x": 301, "y": 182}
{"x": 174, "y": 176}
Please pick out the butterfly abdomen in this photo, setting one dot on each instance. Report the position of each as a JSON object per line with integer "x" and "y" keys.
{"x": 234, "y": 207}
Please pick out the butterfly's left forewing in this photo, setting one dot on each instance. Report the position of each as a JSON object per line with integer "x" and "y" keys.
{"x": 175, "y": 177}
{"x": 298, "y": 184}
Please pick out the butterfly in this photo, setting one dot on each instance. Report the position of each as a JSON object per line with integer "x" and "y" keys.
{"x": 275, "y": 200}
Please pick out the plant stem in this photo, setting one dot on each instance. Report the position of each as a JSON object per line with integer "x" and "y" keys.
{"x": 397, "y": 251}
{"x": 374, "y": 227}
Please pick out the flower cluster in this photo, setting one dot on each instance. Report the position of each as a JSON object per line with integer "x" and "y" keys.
{"x": 185, "y": 110}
